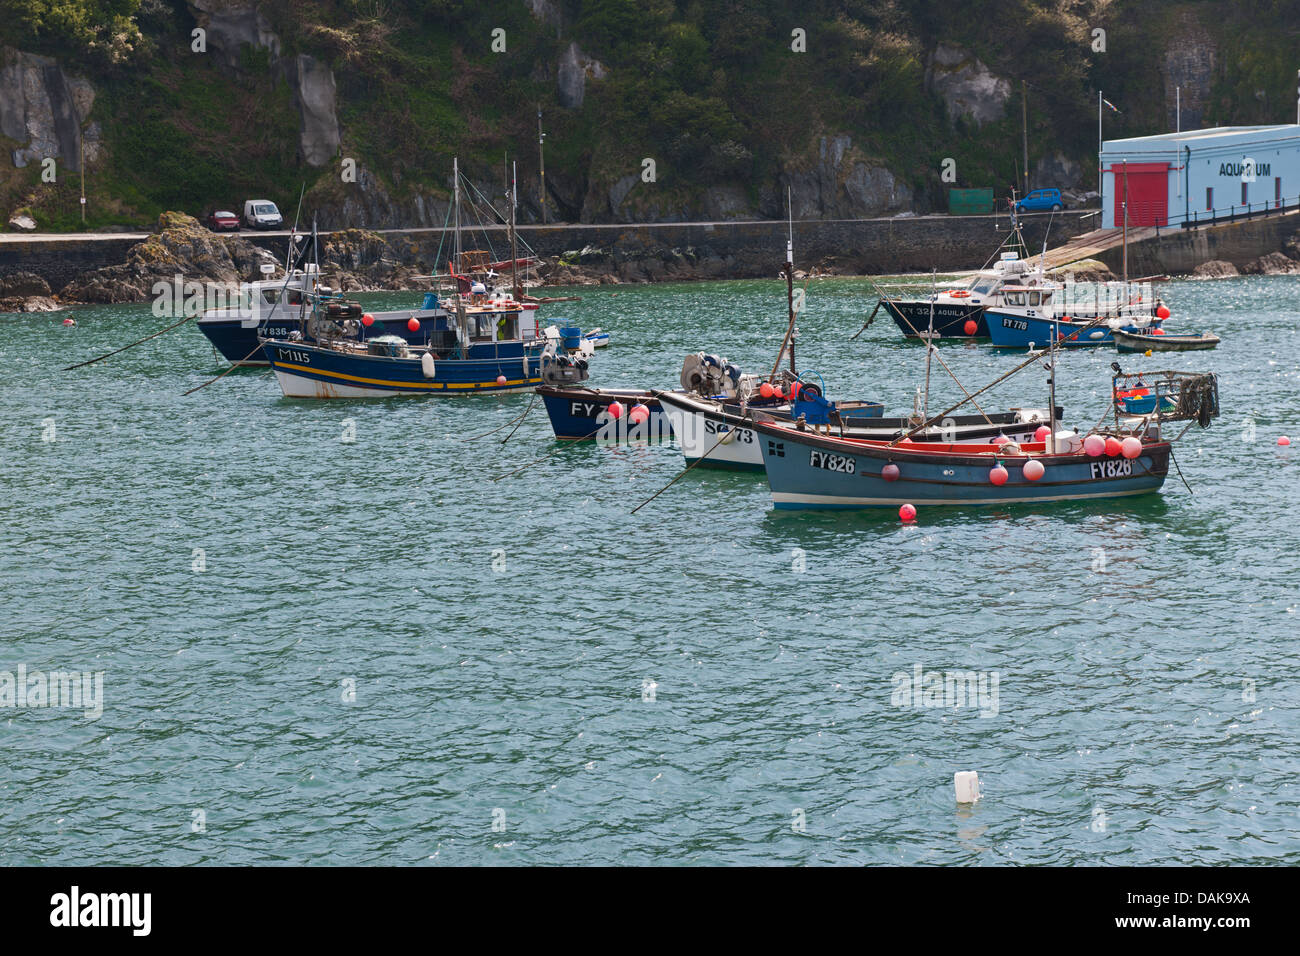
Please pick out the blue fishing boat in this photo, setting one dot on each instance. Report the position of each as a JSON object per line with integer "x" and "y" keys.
{"x": 810, "y": 470}
{"x": 388, "y": 366}
{"x": 1035, "y": 316}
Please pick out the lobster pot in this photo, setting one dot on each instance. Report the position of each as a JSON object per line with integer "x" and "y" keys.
{"x": 571, "y": 337}
{"x": 393, "y": 346}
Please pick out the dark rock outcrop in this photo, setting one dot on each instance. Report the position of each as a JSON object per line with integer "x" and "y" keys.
{"x": 180, "y": 247}
{"x": 1215, "y": 269}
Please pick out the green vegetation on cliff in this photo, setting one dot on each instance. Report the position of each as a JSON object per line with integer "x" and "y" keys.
{"x": 711, "y": 89}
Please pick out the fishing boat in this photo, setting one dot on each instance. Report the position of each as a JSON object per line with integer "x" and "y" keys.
{"x": 1032, "y": 317}
{"x": 1157, "y": 340}
{"x": 491, "y": 290}
{"x": 806, "y": 469}
{"x": 960, "y": 312}
{"x": 469, "y": 342}
{"x": 598, "y": 338}
{"x": 715, "y": 435}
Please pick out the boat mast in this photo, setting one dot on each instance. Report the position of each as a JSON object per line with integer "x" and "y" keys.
{"x": 789, "y": 273}
{"x": 929, "y": 341}
{"x": 455, "y": 175}
{"x": 514, "y": 235}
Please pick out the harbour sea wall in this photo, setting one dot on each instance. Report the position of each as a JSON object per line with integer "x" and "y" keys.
{"x": 1177, "y": 251}
{"x": 644, "y": 252}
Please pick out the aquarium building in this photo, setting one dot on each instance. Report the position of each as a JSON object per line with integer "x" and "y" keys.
{"x": 1199, "y": 176}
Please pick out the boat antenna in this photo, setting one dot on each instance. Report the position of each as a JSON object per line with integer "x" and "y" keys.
{"x": 516, "y": 289}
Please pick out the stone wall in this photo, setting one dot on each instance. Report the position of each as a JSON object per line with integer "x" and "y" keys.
{"x": 723, "y": 250}
{"x": 1178, "y": 251}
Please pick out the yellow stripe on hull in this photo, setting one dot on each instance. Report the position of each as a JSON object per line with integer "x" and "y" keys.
{"x": 406, "y": 385}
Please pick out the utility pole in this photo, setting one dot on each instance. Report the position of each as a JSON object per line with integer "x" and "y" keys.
{"x": 541, "y": 159}
{"x": 81, "y": 161}
{"x": 1101, "y": 175}
{"x": 1024, "y": 127}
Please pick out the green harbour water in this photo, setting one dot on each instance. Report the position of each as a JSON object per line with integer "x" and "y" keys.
{"x": 370, "y": 652}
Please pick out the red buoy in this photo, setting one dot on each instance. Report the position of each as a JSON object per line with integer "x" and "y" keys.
{"x": 367, "y": 320}
{"x": 1113, "y": 446}
{"x": 413, "y": 324}
{"x": 971, "y": 327}
{"x": 889, "y": 472}
{"x": 998, "y": 475}
{"x": 1034, "y": 469}
{"x": 794, "y": 389}
{"x": 638, "y": 414}
{"x": 766, "y": 390}
{"x": 1284, "y": 440}
{"x": 615, "y": 410}
{"x": 1041, "y": 433}
{"x": 1162, "y": 312}
{"x": 1157, "y": 331}
{"x": 501, "y": 379}
{"x": 907, "y": 513}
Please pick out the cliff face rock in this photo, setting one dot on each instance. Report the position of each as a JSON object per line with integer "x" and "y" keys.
{"x": 231, "y": 24}
{"x": 315, "y": 95}
{"x": 1056, "y": 170}
{"x": 43, "y": 109}
{"x": 1273, "y": 264}
{"x": 1189, "y": 60}
{"x": 839, "y": 186}
{"x": 574, "y": 71}
{"x": 180, "y": 246}
{"x": 968, "y": 87}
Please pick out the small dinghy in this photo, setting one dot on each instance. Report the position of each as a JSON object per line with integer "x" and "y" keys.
{"x": 1157, "y": 340}
{"x": 597, "y": 337}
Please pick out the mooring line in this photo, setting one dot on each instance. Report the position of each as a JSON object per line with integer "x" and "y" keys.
{"x": 226, "y": 372}
{"x": 749, "y": 417}
{"x": 188, "y": 318}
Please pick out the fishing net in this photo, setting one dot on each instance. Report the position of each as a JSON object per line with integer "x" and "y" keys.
{"x": 1173, "y": 396}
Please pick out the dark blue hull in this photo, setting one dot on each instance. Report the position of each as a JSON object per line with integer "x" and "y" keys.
{"x": 912, "y": 316}
{"x": 309, "y": 371}
{"x": 581, "y": 413}
{"x": 1012, "y": 331}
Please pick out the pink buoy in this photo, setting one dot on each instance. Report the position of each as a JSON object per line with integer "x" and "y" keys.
{"x": 1284, "y": 440}
{"x": 998, "y": 475}
{"x": 1131, "y": 447}
{"x": 1000, "y": 441}
{"x": 1112, "y": 446}
{"x": 638, "y": 414}
{"x": 615, "y": 410}
{"x": 1034, "y": 469}
{"x": 907, "y": 513}
{"x": 1041, "y": 433}
{"x": 766, "y": 390}
{"x": 413, "y": 324}
{"x": 367, "y": 320}
{"x": 1094, "y": 445}
{"x": 501, "y": 379}
{"x": 971, "y": 327}
{"x": 69, "y": 321}
{"x": 889, "y": 472}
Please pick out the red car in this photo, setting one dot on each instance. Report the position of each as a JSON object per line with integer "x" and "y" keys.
{"x": 223, "y": 221}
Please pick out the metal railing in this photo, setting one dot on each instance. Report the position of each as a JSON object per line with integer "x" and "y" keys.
{"x": 1209, "y": 217}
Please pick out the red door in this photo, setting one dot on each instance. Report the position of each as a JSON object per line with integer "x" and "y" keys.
{"x": 1145, "y": 187}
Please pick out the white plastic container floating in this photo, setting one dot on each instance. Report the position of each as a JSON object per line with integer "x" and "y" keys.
{"x": 967, "y": 785}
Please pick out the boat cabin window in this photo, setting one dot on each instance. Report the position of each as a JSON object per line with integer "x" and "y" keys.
{"x": 271, "y": 296}
{"x": 983, "y": 286}
{"x": 1047, "y": 298}
{"x": 1033, "y": 298}
{"x": 1015, "y": 298}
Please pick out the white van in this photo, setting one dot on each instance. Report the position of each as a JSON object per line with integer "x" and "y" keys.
{"x": 262, "y": 214}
